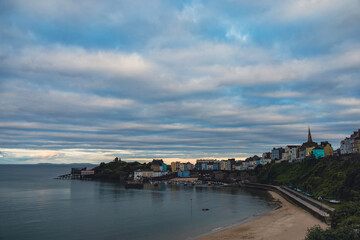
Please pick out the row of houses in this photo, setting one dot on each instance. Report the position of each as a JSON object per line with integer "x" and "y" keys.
{"x": 230, "y": 164}
{"x": 351, "y": 144}
{"x": 179, "y": 166}
{"x": 292, "y": 153}
{"x": 158, "y": 169}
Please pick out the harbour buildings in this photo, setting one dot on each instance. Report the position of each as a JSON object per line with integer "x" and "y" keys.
{"x": 158, "y": 165}
{"x": 158, "y": 169}
{"x": 141, "y": 174}
{"x": 289, "y": 153}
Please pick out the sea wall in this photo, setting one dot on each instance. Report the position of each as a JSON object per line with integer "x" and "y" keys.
{"x": 320, "y": 212}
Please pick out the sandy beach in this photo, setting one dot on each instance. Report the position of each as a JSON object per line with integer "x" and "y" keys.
{"x": 286, "y": 223}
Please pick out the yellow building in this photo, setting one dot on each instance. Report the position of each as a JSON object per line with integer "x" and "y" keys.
{"x": 175, "y": 166}
{"x": 328, "y": 150}
{"x": 309, "y": 151}
{"x": 156, "y": 168}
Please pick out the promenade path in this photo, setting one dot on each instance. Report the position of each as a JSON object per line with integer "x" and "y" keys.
{"x": 312, "y": 201}
{"x": 316, "y": 208}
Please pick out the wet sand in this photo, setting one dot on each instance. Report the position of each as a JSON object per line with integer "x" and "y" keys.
{"x": 286, "y": 223}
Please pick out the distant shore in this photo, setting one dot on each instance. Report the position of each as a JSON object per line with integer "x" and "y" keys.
{"x": 287, "y": 222}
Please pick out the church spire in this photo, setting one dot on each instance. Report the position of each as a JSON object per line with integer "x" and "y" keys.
{"x": 309, "y": 136}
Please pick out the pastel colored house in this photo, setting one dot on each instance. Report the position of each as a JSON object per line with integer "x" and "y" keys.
{"x": 345, "y": 146}
{"x": 291, "y": 153}
{"x": 216, "y": 166}
{"x": 352, "y": 144}
{"x": 184, "y": 174}
{"x": 276, "y": 153}
{"x": 226, "y": 165}
{"x": 175, "y": 166}
{"x": 157, "y": 165}
{"x": 318, "y": 152}
{"x": 202, "y": 164}
{"x": 328, "y": 150}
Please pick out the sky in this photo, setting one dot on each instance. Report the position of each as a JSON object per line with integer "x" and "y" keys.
{"x": 85, "y": 81}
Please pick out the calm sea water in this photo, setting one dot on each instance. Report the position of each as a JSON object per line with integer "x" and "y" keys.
{"x": 33, "y": 205}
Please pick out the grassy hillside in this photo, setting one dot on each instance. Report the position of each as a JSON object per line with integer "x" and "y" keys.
{"x": 333, "y": 177}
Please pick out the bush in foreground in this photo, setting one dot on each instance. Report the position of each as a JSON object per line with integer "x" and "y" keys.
{"x": 346, "y": 233}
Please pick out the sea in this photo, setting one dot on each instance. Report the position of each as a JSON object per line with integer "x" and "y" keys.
{"x": 34, "y": 205}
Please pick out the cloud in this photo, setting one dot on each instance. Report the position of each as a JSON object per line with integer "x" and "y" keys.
{"x": 347, "y": 101}
{"x": 309, "y": 9}
{"x": 67, "y": 60}
{"x": 281, "y": 94}
{"x": 232, "y": 33}
{"x": 91, "y": 80}
{"x": 190, "y": 12}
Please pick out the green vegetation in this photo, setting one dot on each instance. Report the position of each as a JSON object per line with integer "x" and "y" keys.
{"x": 333, "y": 178}
{"x": 316, "y": 233}
{"x": 345, "y": 224}
{"x": 347, "y": 215}
{"x": 118, "y": 169}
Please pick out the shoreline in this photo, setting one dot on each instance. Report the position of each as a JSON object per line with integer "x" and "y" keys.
{"x": 283, "y": 223}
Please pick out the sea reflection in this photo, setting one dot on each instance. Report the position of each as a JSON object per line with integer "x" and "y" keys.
{"x": 49, "y": 209}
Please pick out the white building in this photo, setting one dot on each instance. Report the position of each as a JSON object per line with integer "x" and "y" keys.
{"x": 346, "y": 146}
{"x": 139, "y": 174}
{"x": 291, "y": 153}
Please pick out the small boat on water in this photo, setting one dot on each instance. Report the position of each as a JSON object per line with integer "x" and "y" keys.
{"x": 205, "y": 209}
{"x": 134, "y": 184}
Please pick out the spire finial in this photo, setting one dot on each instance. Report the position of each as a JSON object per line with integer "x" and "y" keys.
{"x": 309, "y": 135}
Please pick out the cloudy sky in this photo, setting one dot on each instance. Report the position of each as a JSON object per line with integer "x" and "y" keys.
{"x": 85, "y": 81}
